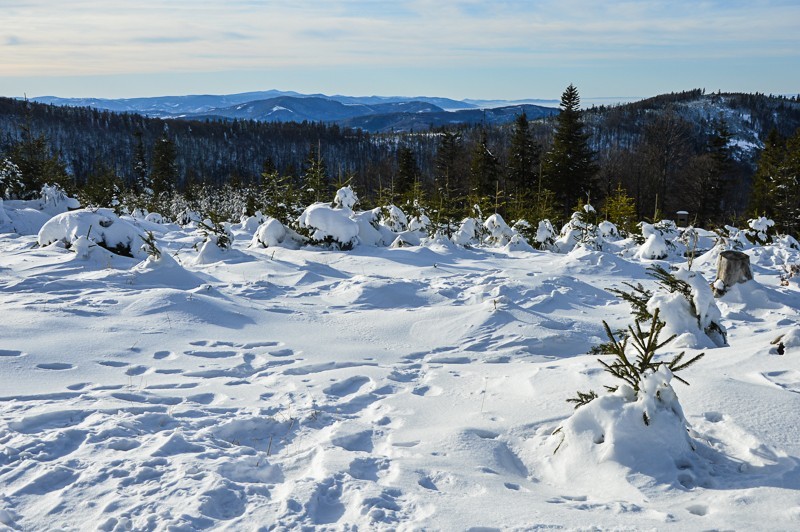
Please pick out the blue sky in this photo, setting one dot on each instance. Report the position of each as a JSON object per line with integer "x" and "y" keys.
{"x": 507, "y": 49}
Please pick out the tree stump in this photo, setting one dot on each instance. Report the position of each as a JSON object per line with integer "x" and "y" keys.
{"x": 733, "y": 267}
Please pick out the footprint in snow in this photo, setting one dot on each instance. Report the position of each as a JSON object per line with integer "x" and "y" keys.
{"x": 55, "y": 366}
{"x": 347, "y": 387}
{"x": 10, "y": 353}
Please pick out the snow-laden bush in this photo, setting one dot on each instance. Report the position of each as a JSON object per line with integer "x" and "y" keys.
{"x": 393, "y": 218}
{"x": 469, "y": 232}
{"x": 216, "y": 233}
{"x": 656, "y": 246}
{"x": 101, "y": 227}
{"x": 420, "y": 223}
{"x": 251, "y": 224}
{"x": 325, "y": 225}
{"x": 345, "y": 199}
{"x": 578, "y": 231}
{"x": 11, "y": 183}
{"x": 406, "y": 239}
{"x": 545, "y": 235}
{"x": 498, "y": 233}
{"x": 269, "y": 234}
{"x": 608, "y": 230}
{"x": 760, "y": 231}
{"x": 188, "y": 216}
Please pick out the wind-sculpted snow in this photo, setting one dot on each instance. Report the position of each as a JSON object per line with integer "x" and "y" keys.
{"x": 415, "y": 387}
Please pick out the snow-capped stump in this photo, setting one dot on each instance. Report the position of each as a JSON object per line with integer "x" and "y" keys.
{"x": 101, "y": 227}
{"x": 328, "y": 226}
{"x": 733, "y": 268}
{"x": 268, "y": 234}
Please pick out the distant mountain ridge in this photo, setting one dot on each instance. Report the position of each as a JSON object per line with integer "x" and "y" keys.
{"x": 370, "y": 113}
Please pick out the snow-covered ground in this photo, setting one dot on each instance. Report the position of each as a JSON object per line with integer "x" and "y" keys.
{"x": 378, "y": 388}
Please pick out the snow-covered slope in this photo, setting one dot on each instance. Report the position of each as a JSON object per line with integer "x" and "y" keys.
{"x": 380, "y": 388}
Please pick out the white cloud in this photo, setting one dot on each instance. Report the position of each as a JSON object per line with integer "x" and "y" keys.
{"x": 91, "y": 37}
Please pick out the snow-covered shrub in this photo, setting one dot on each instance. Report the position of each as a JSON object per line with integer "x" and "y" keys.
{"x": 345, "y": 199}
{"x": 393, "y": 218}
{"x": 54, "y": 199}
{"x": 11, "y": 183}
{"x": 498, "y": 233}
{"x": 101, "y": 227}
{"x": 406, "y": 239}
{"x": 420, "y": 223}
{"x": 216, "y": 232}
{"x": 252, "y": 223}
{"x": 269, "y": 234}
{"x": 469, "y": 232}
{"x": 608, "y": 230}
{"x": 325, "y": 225}
{"x": 545, "y": 237}
{"x": 188, "y": 216}
{"x": 760, "y": 231}
{"x": 580, "y": 232}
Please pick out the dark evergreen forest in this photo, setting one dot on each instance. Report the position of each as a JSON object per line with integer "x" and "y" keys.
{"x": 683, "y": 151}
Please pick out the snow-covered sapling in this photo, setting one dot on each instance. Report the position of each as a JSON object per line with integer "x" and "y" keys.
{"x": 634, "y": 372}
{"x": 216, "y": 232}
{"x": 150, "y": 246}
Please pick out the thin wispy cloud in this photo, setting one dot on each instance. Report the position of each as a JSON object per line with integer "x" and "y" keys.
{"x": 53, "y": 38}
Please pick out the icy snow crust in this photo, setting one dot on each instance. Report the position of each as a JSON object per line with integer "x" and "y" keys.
{"x": 414, "y": 387}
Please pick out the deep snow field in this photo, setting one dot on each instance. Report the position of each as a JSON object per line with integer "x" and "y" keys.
{"x": 377, "y": 388}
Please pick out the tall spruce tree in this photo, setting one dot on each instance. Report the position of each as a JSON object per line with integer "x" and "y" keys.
{"x": 769, "y": 166}
{"x": 315, "y": 185}
{"x": 164, "y": 175}
{"x": 484, "y": 172}
{"x": 569, "y": 168}
{"x": 523, "y": 157}
{"x": 141, "y": 172}
{"x": 407, "y": 171}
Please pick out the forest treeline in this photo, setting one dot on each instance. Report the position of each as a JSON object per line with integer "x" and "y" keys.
{"x": 721, "y": 157}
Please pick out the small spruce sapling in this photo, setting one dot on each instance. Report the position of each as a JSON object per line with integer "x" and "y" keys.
{"x": 150, "y": 247}
{"x": 633, "y": 371}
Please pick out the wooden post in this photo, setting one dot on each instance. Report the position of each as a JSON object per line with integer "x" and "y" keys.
{"x": 733, "y": 267}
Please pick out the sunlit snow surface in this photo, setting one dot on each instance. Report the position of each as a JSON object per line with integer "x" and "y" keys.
{"x": 408, "y": 388}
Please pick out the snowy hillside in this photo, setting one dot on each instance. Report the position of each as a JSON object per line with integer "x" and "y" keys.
{"x": 409, "y": 383}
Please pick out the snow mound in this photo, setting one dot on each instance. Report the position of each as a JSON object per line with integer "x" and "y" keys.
{"x": 627, "y": 435}
{"x": 101, "y": 227}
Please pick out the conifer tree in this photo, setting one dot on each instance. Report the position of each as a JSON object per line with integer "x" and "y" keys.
{"x": 523, "y": 158}
{"x": 141, "y": 177}
{"x": 315, "y": 178}
{"x": 769, "y": 166}
{"x": 164, "y": 175}
{"x": 484, "y": 173}
{"x": 407, "y": 172}
{"x": 568, "y": 168}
